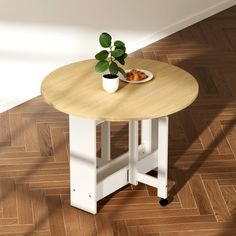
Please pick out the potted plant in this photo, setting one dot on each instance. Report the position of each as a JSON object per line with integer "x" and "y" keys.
{"x": 110, "y": 60}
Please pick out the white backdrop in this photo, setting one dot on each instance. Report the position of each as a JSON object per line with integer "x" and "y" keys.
{"x": 37, "y": 36}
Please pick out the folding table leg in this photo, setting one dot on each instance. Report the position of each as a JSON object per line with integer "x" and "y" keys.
{"x": 163, "y": 156}
{"x": 149, "y": 136}
{"x": 83, "y": 173}
{"x": 146, "y": 135}
{"x": 133, "y": 152}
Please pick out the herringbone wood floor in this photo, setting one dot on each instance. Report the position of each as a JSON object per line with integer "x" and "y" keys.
{"x": 34, "y": 183}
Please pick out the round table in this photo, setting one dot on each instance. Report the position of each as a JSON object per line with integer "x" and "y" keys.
{"x": 76, "y": 89}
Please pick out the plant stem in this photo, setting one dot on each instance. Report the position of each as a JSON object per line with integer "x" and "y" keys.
{"x": 110, "y": 53}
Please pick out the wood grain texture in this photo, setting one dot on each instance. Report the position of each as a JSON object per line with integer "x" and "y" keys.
{"x": 34, "y": 168}
{"x": 56, "y": 221}
{"x": 76, "y": 89}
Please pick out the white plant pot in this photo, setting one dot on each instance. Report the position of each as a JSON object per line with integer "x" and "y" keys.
{"x": 110, "y": 83}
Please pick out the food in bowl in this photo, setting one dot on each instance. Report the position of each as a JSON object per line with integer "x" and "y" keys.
{"x": 135, "y": 75}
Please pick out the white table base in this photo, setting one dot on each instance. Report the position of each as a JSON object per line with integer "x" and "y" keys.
{"x": 92, "y": 178}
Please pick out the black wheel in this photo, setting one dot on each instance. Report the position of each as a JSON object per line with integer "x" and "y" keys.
{"x": 163, "y": 201}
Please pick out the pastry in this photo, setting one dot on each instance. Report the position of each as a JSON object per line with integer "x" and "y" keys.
{"x": 136, "y": 75}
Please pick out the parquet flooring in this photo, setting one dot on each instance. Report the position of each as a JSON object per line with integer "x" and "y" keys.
{"x": 34, "y": 172}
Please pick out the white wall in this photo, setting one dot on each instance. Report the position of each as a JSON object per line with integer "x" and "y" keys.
{"x": 37, "y": 36}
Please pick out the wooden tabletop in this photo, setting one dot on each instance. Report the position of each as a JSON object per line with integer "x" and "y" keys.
{"x": 76, "y": 89}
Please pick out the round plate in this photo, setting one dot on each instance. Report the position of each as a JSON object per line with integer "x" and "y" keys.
{"x": 148, "y": 73}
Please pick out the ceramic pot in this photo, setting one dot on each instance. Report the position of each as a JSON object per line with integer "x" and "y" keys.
{"x": 110, "y": 83}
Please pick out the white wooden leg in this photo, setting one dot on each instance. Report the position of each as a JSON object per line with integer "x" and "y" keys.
{"x": 149, "y": 135}
{"x": 133, "y": 152}
{"x": 105, "y": 141}
{"x": 155, "y": 137}
{"x": 146, "y": 135}
{"x": 162, "y": 156}
{"x": 83, "y": 174}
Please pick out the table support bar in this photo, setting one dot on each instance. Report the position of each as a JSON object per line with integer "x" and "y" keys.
{"x": 147, "y": 179}
{"x": 163, "y": 156}
{"x": 133, "y": 152}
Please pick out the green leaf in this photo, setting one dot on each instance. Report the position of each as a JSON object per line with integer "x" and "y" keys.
{"x": 119, "y": 43}
{"x": 117, "y": 53}
{"x": 105, "y": 40}
{"x": 122, "y": 48}
{"x": 122, "y": 71}
{"x": 102, "y": 55}
{"x": 113, "y": 68}
{"x": 121, "y": 60}
{"x": 102, "y": 66}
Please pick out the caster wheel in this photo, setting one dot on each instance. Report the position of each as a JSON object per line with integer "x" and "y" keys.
{"x": 163, "y": 201}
